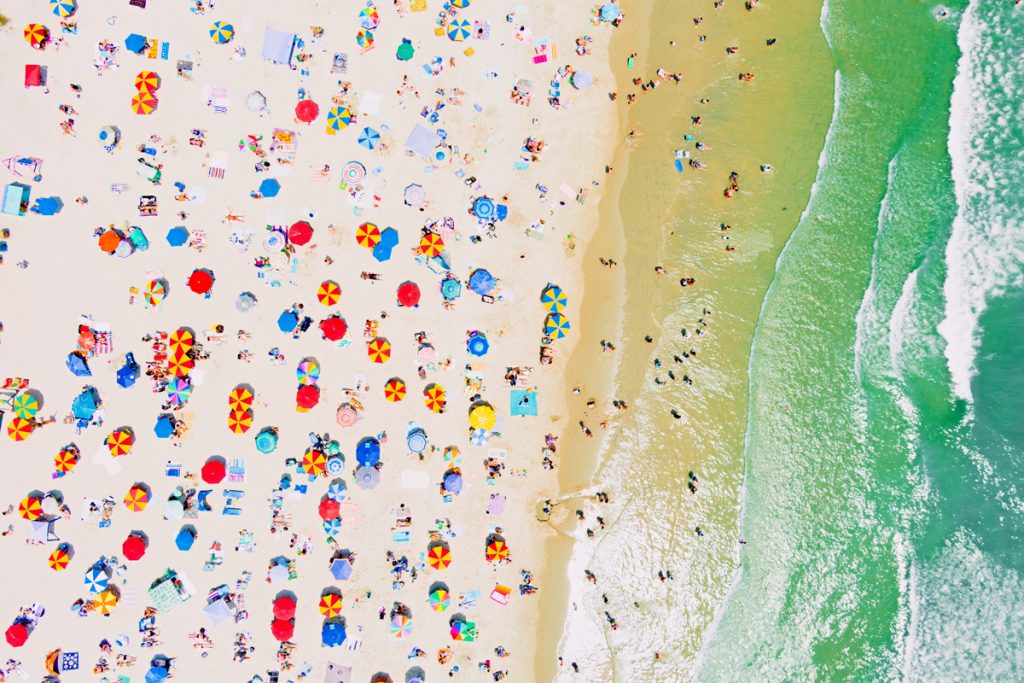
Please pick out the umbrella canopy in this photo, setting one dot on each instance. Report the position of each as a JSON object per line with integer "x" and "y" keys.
{"x": 401, "y": 626}
{"x": 464, "y": 630}
{"x": 369, "y": 138}
{"x": 63, "y": 8}
{"x": 307, "y": 396}
{"x": 434, "y": 397}
{"x": 25, "y": 405}
{"x": 416, "y": 440}
{"x": 186, "y": 538}
{"x": 330, "y": 605}
{"x": 282, "y": 629}
{"x": 497, "y": 551}
{"x": 240, "y": 421}
{"x": 394, "y": 390}
{"x": 137, "y": 498}
{"x": 379, "y": 350}
{"x": 84, "y": 406}
{"x": 256, "y": 101}
{"x": 307, "y": 371}
{"x": 481, "y": 416}
{"x": 458, "y": 29}
{"x": 164, "y": 427}
{"x": 405, "y": 51}
{"x": 180, "y": 366}
{"x": 334, "y": 328}
{"x": 97, "y": 579}
{"x": 368, "y": 235}
{"x": 105, "y": 602}
{"x": 341, "y": 569}
{"x": 477, "y": 344}
{"x": 338, "y": 118}
{"x": 201, "y": 280}
{"x": 287, "y": 321}
{"x": 368, "y": 17}
{"x": 155, "y": 292}
{"x": 314, "y": 463}
{"x": 481, "y": 282}
{"x": 65, "y": 460}
{"x": 214, "y": 470}
{"x": 461, "y": 4}
{"x": 245, "y": 302}
{"x": 179, "y": 391}
{"x": 554, "y": 299}
{"x": 307, "y": 111}
{"x": 581, "y": 80}
{"x": 431, "y": 245}
{"x": 181, "y": 341}
{"x": 556, "y": 325}
{"x": 270, "y": 187}
{"x": 368, "y": 451}
{"x": 346, "y": 415}
{"x": 266, "y": 440}
{"x": 484, "y": 208}
{"x": 284, "y": 608}
{"x": 300, "y": 233}
{"x": 408, "y": 294}
{"x": 147, "y": 81}
{"x": 36, "y": 34}
{"x": 108, "y": 241}
{"x": 610, "y": 12}
{"x": 333, "y": 634}
{"x": 388, "y": 241}
{"x": 240, "y": 398}
{"x": 451, "y": 288}
{"x": 30, "y": 508}
{"x": 353, "y": 173}
{"x": 134, "y": 547}
{"x": 452, "y": 482}
{"x": 440, "y": 599}
{"x": 222, "y": 32}
{"x": 364, "y": 38}
{"x": 16, "y": 634}
{"x": 59, "y": 559}
{"x": 135, "y": 43}
{"x": 329, "y": 293}
{"x": 120, "y": 441}
{"x": 144, "y": 103}
{"x": 439, "y": 555}
{"x": 367, "y": 477}
{"x": 329, "y": 509}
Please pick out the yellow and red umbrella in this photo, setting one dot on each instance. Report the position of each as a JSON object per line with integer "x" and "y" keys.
{"x": 330, "y": 605}
{"x": 120, "y": 442}
{"x": 30, "y": 508}
{"x": 36, "y": 35}
{"x": 314, "y": 463}
{"x": 105, "y": 602}
{"x": 239, "y": 421}
{"x": 379, "y": 350}
{"x": 431, "y": 244}
{"x": 144, "y": 103}
{"x": 147, "y": 82}
{"x": 394, "y": 390}
{"x": 65, "y": 461}
{"x": 19, "y": 428}
{"x": 136, "y": 499}
{"x": 497, "y": 551}
{"x": 180, "y": 366}
{"x": 434, "y": 397}
{"x": 329, "y": 293}
{"x": 181, "y": 342}
{"x": 368, "y": 235}
{"x": 439, "y": 556}
{"x": 240, "y": 398}
{"x": 59, "y": 560}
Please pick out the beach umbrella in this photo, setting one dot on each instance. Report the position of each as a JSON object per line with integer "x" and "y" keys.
{"x": 63, "y": 8}
{"x": 109, "y": 135}
{"x": 401, "y": 626}
{"x": 556, "y": 325}
{"x": 481, "y": 416}
{"x": 496, "y": 551}
{"x": 105, "y": 602}
{"x": 213, "y": 471}
{"x": 155, "y": 292}
{"x": 97, "y": 579}
{"x": 452, "y": 482}
{"x": 353, "y": 173}
{"x": 284, "y": 608}
{"x": 369, "y": 138}
{"x": 307, "y": 111}
{"x": 222, "y": 32}
{"x": 256, "y": 101}
{"x": 180, "y": 366}
{"x": 25, "y": 405}
{"x": 136, "y": 499}
{"x": 147, "y": 81}
{"x": 307, "y": 396}
{"x": 128, "y": 373}
{"x": 156, "y": 674}
{"x": 59, "y": 559}
{"x": 405, "y": 51}
{"x": 336, "y": 490}
{"x": 84, "y": 406}
{"x": 164, "y": 427}
{"x": 65, "y": 460}
{"x": 451, "y": 288}
{"x": 185, "y": 538}
{"x": 368, "y": 17}
{"x": 452, "y": 456}
{"x": 346, "y": 415}
{"x": 379, "y": 350}
{"x": 388, "y": 241}
{"x": 416, "y": 440}
{"x": 332, "y": 634}
{"x": 270, "y": 187}
{"x": 314, "y": 463}
{"x": 333, "y": 328}
{"x": 120, "y": 441}
{"x": 17, "y": 634}
{"x": 338, "y": 118}
{"x": 364, "y": 38}
{"x": 481, "y": 281}
{"x": 287, "y": 321}
{"x": 179, "y": 390}
{"x": 30, "y": 508}
{"x": 266, "y": 440}
{"x": 368, "y": 451}
{"x": 341, "y": 569}
{"x": 329, "y": 293}
{"x": 300, "y": 233}
{"x": 136, "y": 43}
{"x": 461, "y": 4}
{"x": 307, "y": 371}
{"x": 201, "y": 280}
{"x": 484, "y": 208}
{"x": 464, "y": 630}
{"x": 240, "y": 421}
{"x": 174, "y": 509}
{"x": 367, "y": 477}
{"x": 368, "y": 235}
{"x": 144, "y": 103}
{"x": 439, "y": 555}
{"x": 240, "y": 398}
{"x": 181, "y": 341}
{"x": 394, "y": 390}
{"x": 108, "y": 241}
{"x": 328, "y": 509}
{"x": 554, "y": 299}
{"x": 282, "y": 629}
{"x": 134, "y": 547}
{"x": 477, "y": 344}
{"x": 245, "y": 302}
{"x": 610, "y": 12}
{"x": 36, "y": 34}
{"x": 458, "y": 29}
{"x": 440, "y": 599}
{"x": 330, "y": 605}
{"x": 434, "y": 397}
{"x": 408, "y": 294}
{"x": 431, "y": 244}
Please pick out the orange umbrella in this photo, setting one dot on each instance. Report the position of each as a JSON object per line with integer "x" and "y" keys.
{"x": 240, "y": 398}
{"x": 329, "y": 293}
{"x": 314, "y": 463}
{"x": 496, "y": 551}
{"x": 431, "y": 244}
{"x": 109, "y": 240}
{"x": 65, "y": 461}
{"x": 439, "y": 556}
{"x": 144, "y": 103}
{"x": 36, "y": 34}
{"x": 434, "y": 397}
{"x": 368, "y": 235}
{"x": 105, "y": 602}
{"x": 120, "y": 442}
{"x": 30, "y": 508}
{"x": 136, "y": 499}
{"x": 19, "y": 429}
{"x": 147, "y": 82}
{"x": 180, "y": 366}
{"x": 330, "y": 605}
{"x": 181, "y": 342}
{"x": 59, "y": 560}
{"x": 239, "y": 421}
{"x": 379, "y": 350}
{"x": 394, "y": 390}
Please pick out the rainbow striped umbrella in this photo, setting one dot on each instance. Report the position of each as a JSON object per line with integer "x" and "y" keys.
{"x": 155, "y": 292}
{"x": 222, "y": 32}
{"x": 364, "y": 38}
{"x": 179, "y": 391}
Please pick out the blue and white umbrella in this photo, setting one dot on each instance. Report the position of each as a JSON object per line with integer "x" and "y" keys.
{"x": 336, "y": 491}
{"x": 369, "y": 138}
{"x": 97, "y": 580}
{"x": 477, "y": 344}
{"x": 484, "y": 208}
{"x": 63, "y": 8}
{"x": 479, "y": 437}
{"x": 332, "y": 526}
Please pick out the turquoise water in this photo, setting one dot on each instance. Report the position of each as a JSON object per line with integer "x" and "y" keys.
{"x": 883, "y": 515}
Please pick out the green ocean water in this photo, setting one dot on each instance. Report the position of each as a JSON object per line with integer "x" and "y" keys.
{"x": 883, "y": 516}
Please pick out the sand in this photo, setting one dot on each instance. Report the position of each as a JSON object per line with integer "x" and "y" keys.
{"x": 68, "y": 276}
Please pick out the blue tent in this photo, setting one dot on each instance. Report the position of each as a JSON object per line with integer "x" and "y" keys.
{"x": 333, "y": 634}
{"x": 128, "y": 373}
{"x": 77, "y": 365}
{"x": 416, "y": 440}
{"x": 368, "y": 451}
{"x": 266, "y": 440}
{"x": 177, "y": 236}
{"x": 287, "y": 321}
{"x": 341, "y": 569}
{"x": 185, "y": 538}
{"x": 523, "y": 402}
{"x": 453, "y": 482}
{"x": 451, "y": 288}
{"x": 164, "y": 427}
{"x": 85, "y": 404}
{"x": 136, "y": 43}
{"x": 48, "y": 206}
{"x": 477, "y": 344}
{"x": 388, "y": 241}
{"x": 481, "y": 281}
{"x": 270, "y": 187}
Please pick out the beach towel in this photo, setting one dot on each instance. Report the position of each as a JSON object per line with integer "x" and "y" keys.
{"x": 496, "y": 504}
{"x": 469, "y": 598}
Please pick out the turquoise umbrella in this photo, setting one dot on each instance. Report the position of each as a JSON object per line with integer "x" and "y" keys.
{"x": 557, "y": 326}
{"x": 458, "y": 29}
{"x": 554, "y": 298}
{"x": 266, "y": 440}
{"x": 222, "y": 32}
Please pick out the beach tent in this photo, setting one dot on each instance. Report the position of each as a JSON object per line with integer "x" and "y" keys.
{"x": 481, "y": 281}
{"x": 422, "y": 140}
{"x": 77, "y": 365}
{"x": 136, "y": 43}
{"x": 16, "y": 198}
{"x": 35, "y": 76}
{"x": 278, "y": 46}
{"x": 341, "y": 569}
